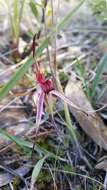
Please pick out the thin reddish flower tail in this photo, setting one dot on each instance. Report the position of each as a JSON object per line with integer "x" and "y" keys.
{"x": 34, "y": 45}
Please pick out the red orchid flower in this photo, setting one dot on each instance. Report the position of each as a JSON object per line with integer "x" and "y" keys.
{"x": 47, "y": 88}
{"x": 45, "y": 84}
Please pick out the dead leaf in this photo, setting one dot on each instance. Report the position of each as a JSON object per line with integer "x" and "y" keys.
{"x": 102, "y": 165}
{"x": 14, "y": 122}
{"x": 92, "y": 123}
{"x": 6, "y": 178}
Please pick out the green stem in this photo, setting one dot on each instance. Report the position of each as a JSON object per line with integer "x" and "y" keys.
{"x": 67, "y": 114}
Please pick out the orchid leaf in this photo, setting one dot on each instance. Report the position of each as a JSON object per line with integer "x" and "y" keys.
{"x": 36, "y": 171}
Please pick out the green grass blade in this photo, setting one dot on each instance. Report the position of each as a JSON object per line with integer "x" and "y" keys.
{"x": 69, "y": 16}
{"x": 34, "y": 9}
{"x": 16, "y": 18}
{"x": 9, "y": 15}
{"x": 7, "y": 136}
{"x": 27, "y": 144}
{"x": 36, "y": 171}
{"x": 15, "y": 78}
{"x": 21, "y": 10}
{"x": 22, "y": 70}
{"x": 99, "y": 71}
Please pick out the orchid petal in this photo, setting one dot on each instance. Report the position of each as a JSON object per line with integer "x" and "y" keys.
{"x": 40, "y": 108}
{"x": 65, "y": 99}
